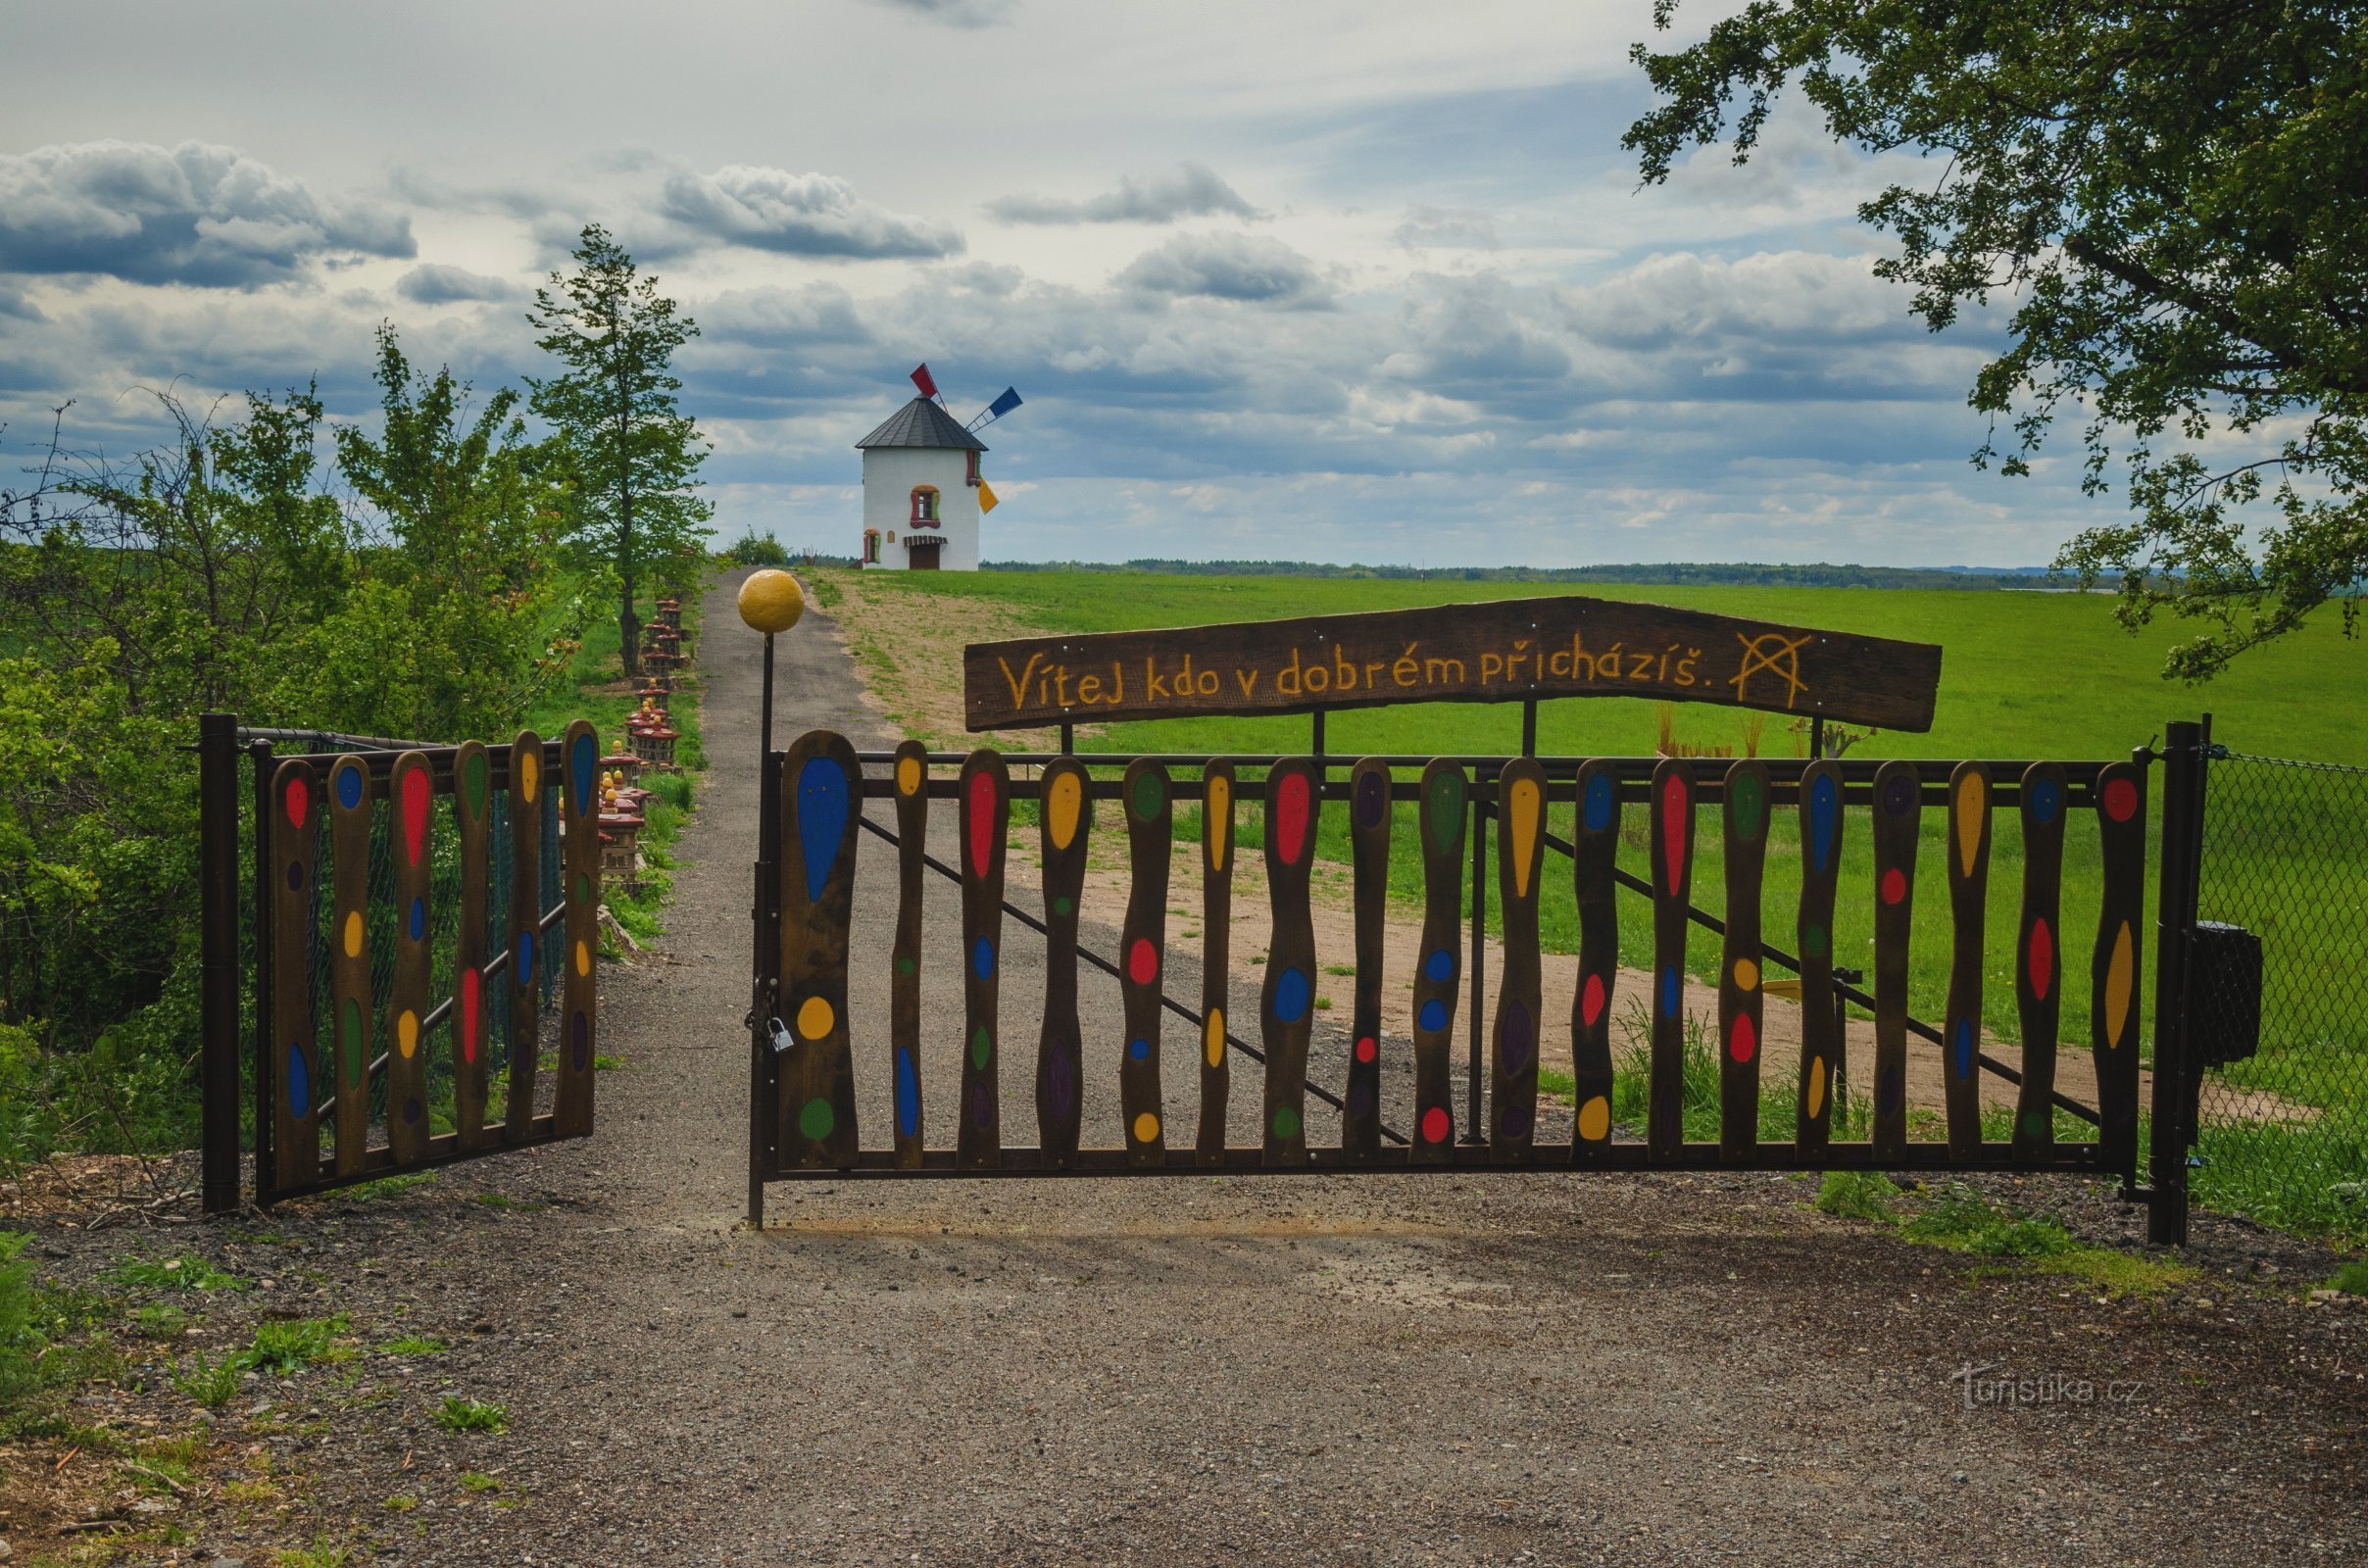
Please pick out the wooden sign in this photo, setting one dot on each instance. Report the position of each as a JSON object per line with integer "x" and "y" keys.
{"x": 1507, "y": 650}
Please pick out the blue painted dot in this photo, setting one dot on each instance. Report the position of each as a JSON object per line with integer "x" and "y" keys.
{"x": 2045, "y": 799}
{"x": 908, "y": 1096}
{"x": 300, "y": 1084}
{"x": 1139, "y": 1050}
{"x": 821, "y": 819}
{"x": 1439, "y": 965}
{"x": 580, "y": 759}
{"x": 1671, "y": 995}
{"x": 1825, "y": 819}
{"x": 1290, "y": 996}
{"x": 1962, "y": 1054}
{"x": 418, "y": 919}
{"x": 349, "y": 787}
{"x": 983, "y": 959}
{"x": 525, "y": 958}
{"x": 1433, "y": 1016}
{"x": 1599, "y": 802}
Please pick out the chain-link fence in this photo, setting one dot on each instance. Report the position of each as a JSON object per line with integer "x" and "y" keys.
{"x": 2282, "y": 1115}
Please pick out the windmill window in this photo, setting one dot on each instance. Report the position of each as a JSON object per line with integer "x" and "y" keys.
{"x": 971, "y": 459}
{"x": 924, "y": 505}
{"x": 872, "y": 547}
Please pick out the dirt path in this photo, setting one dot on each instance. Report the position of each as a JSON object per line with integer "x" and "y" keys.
{"x": 1534, "y": 1368}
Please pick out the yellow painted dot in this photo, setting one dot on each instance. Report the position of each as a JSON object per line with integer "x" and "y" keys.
{"x": 583, "y": 959}
{"x": 1216, "y": 1037}
{"x": 407, "y": 1033}
{"x": 1147, "y": 1128}
{"x": 908, "y": 774}
{"x": 815, "y": 1019}
{"x": 1594, "y": 1120}
{"x": 1747, "y": 975}
{"x": 1220, "y": 804}
{"x": 530, "y": 772}
{"x": 1816, "y": 1085}
{"x": 353, "y": 934}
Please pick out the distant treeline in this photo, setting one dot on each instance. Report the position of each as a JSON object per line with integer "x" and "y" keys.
{"x": 1703, "y": 573}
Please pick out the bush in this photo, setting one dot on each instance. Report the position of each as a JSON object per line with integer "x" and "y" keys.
{"x": 754, "y": 548}
{"x": 20, "y": 1344}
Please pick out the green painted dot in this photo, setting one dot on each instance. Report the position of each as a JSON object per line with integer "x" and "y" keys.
{"x": 1149, "y": 792}
{"x": 1446, "y": 806}
{"x": 1063, "y": 905}
{"x": 472, "y": 779}
{"x": 1813, "y": 941}
{"x": 905, "y": 966}
{"x": 583, "y": 887}
{"x": 1747, "y": 806}
{"x": 349, "y": 1040}
{"x": 2035, "y": 1124}
{"x": 817, "y": 1119}
{"x": 1286, "y": 1121}
{"x": 982, "y": 1044}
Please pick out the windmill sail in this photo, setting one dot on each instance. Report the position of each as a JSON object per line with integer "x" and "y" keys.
{"x": 997, "y": 409}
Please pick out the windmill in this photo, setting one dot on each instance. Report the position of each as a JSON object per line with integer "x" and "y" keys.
{"x": 923, "y": 494}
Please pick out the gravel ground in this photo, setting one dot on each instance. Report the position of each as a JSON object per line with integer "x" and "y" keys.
{"x": 1453, "y": 1369}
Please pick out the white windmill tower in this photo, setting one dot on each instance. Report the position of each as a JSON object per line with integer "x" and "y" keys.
{"x": 923, "y": 494}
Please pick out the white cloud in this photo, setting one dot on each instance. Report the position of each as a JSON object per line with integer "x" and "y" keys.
{"x": 1194, "y": 190}
{"x": 431, "y": 284}
{"x": 1248, "y": 268}
{"x": 801, "y": 215}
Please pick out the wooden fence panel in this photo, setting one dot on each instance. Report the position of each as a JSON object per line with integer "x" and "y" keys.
{"x": 471, "y": 820}
{"x": 1512, "y": 1093}
{"x": 821, "y": 798}
{"x": 412, "y": 792}
{"x": 905, "y": 960}
{"x": 1286, "y": 1000}
{"x": 1217, "y": 945}
{"x": 579, "y": 989}
{"x": 1064, "y": 828}
{"x": 1898, "y": 820}
{"x": 1672, "y": 844}
{"x": 1969, "y": 905}
{"x": 2039, "y": 964}
{"x": 1369, "y": 816}
{"x": 985, "y": 796}
{"x": 350, "y": 810}
{"x": 1596, "y": 845}
{"x": 1741, "y": 1020}
{"x": 1822, "y": 1042}
{"x": 295, "y": 843}
{"x": 1446, "y": 793}
{"x": 526, "y": 932}
{"x": 2114, "y": 1011}
{"x": 1143, "y": 958}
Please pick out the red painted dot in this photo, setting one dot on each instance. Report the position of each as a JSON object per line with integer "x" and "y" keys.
{"x": 1591, "y": 1000}
{"x": 2042, "y": 958}
{"x": 1676, "y": 832}
{"x": 1367, "y": 1050}
{"x": 415, "y": 788}
{"x": 299, "y": 801}
{"x": 1291, "y": 817}
{"x": 1435, "y": 1125}
{"x": 982, "y": 821}
{"x": 2121, "y": 799}
{"x": 1143, "y": 961}
{"x": 1744, "y": 1040}
{"x": 1894, "y": 885}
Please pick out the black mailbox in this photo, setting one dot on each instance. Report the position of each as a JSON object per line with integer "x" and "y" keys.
{"x": 2223, "y": 992}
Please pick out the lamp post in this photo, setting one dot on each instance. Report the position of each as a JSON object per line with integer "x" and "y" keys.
{"x": 770, "y": 602}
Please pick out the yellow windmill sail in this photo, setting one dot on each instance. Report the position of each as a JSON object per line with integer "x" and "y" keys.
{"x": 986, "y": 498}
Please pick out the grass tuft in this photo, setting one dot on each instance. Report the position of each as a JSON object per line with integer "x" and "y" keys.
{"x": 1857, "y": 1195}
{"x": 471, "y": 1415}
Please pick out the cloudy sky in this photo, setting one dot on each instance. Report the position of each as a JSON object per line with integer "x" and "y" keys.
{"x": 1326, "y": 280}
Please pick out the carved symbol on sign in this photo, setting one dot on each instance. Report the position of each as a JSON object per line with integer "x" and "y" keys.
{"x": 1775, "y": 652}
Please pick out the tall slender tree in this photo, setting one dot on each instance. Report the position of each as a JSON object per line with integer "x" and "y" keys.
{"x": 635, "y": 453}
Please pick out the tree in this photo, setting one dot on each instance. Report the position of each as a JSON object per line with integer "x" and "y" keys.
{"x": 2175, "y": 199}
{"x": 636, "y": 454}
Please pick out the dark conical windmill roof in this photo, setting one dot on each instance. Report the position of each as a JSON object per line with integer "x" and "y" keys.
{"x": 923, "y": 423}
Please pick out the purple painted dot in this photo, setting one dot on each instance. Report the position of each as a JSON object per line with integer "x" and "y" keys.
{"x": 1061, "y": 1088}
{"x": 982, "y": 1104}
{"x": 1900, "y": 795}
{"x": 295, "y": 874}
{"x": 410, "y": 1112}
{"x": 1517, "y": 1038}
{"x": 1890, "y": 1091}
{"x": 1516, "y": 1119}
{"x": 1360, "y": 1097}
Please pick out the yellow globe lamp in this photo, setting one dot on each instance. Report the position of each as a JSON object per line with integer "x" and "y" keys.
{"x": 772, "y": 602}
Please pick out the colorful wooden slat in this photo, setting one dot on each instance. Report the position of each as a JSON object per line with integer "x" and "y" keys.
{"x": 1066, "y": 825}
{"x": 2114, "y": 1013}
{"x": 1512, "y": 1090}
{"x": 2038, "y": 957}
{"x": 1822, "y": 1044}
{"x": 1217, "y": 932}
{"x": 1143, "y": 958}
{"x": 526, "y": 932}
{"x": 350, "y": 809}
{"x": 1742, "y": 1024}
{"x": 1898, "y": 820}
{"x": 1445, "y": 794}
{"x": 411, "y": 800}
{"x": 579, "y": 989}
{"x": 1968, "y": 855}
{"x": 1294, "y": 802}
{"x": 1369, "y": 815}
{"x": 298, "y": 1056}
{"x": 984, "y": 794}
{"x": 821, "y": 798}
{"x": 904, "y": 961}
{"x": 1595, "y": 843}
{"x": 1672, "y": 850}
{"x": 471, "y": 1045}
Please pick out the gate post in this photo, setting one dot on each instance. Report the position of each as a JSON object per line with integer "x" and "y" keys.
{"x": 217, "y": 967}
{"x": 764, "y": 1120}
{"x": 2180, "y": 886}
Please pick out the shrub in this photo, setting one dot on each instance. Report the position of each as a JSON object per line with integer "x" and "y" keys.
{"x": 754, "y": 548}
{"x": 1857, "y": 1195}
